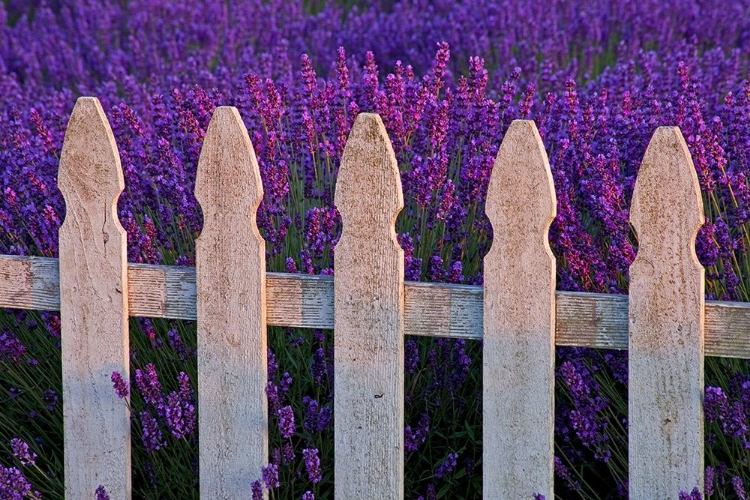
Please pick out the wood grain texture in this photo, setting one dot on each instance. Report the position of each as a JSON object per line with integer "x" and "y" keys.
{"x": 231, "y": 312}
{"x": 592, "y": 320}
{"x": 430, "y": 309}
{"x": 93, "y": 307}
{"x": 298, "y": 300}
{"x": 727, "y": 329}
{"x": 369, "y": 320}
{"x": 519, "y": 321}
{"x": 443, "y": 310}
{"x": 162, "y": 291}
{"x": 16, "y": 283}
{"x": 29, "y": 283}
{"x": 666, "y": 320}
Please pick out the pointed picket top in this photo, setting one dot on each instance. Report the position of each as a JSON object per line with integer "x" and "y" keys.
{"x": 369, "y": 319}
{"x": 519, "y": 321}
{"x": 231, "y": 312}
{"x": 521, "y": 184}
{"x": 368, "y": 189}
{"x": 666, "y": 324}
{"x": 228, "y": 171}
{"x": 90, "y": 166}
{"x": 93, "y": 307}
{"x": 667, "y": 197}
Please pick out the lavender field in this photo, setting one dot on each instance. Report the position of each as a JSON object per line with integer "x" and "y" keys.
{"x": 447, "y": 78}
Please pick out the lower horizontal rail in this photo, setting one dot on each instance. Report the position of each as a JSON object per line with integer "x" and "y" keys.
{"x": 431, "y": 309}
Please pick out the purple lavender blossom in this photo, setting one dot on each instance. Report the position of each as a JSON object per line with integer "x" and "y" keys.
{"x": 288, "y": 454}
{"x": 50, "y": 400}
{"x": 285, "y": 384}
{"x": 101, "y": 493}
{"x": 286, "y": 422}
{"x": 694, "y": 495}
{"x": 257, "y": 490}
{"x": 738, "y": 487}
{"x": 447, "y": 466}
{"x": 14, "y": 485}
{"x": 312, "y": 465}
{"x": 562, "y": 471}
{"x": 153, "y": 439}
{"x": 120, "y": 385}
{"x": 186, "y": 392}
{"x": 271, "y": 476}
{"x": 412, "y": 356}
{"x": 274, "y": 398}
{"x": 413, "y": 439}
{"x": 150, "y": 388}
{"x": 316, "y": 419}
{"x": 175, "y": 418}
{"x": 319, "y": 368}
{"x": 21, "y": 451}
{"x": 175, "y": 341}
{"x": 11, "y": 348}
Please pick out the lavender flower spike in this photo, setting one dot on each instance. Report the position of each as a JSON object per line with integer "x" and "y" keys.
{"x": 312, "y": 464}
{"x": 101, "y": 493}
{"x": 21, "y": 452}
{"x": 120, "y": 385}
{"x": 286, "y": 422}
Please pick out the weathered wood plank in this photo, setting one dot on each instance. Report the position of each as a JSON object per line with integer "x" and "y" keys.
{"x": 29, "y": 283}
{"x": 430, "y": 309}
{"x": 519, "y": 321}
{"x": 231, "y": 312}
{"x": 369, "y": 319}
{"x": 443, "y": 310}
{"x": 162, "y": 291}
{"x": 17, "y": 282}
{"x": 93, "y": 307}
{"x": 666, "y": 324}
{"x": 727, "y": 329}
{"x": 297, "y": 300}
{"x": 592, "y": 320}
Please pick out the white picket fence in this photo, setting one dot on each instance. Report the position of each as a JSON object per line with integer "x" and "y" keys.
{"x": 664, "y": 322}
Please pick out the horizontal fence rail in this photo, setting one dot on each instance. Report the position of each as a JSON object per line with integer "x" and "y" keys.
{"x": 445, "y": 310}
{"x": 665, "y": 323}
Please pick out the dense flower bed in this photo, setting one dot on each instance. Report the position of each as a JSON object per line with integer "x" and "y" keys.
{"x": 597, "y": 81}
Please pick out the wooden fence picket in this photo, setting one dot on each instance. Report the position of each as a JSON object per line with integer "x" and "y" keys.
{"x": 666, "y": 324}
{"x": 231, "y": 312}
{"x": 93, "y": 307}
{"x": 519, "y": 321}
{"x": 369, "y": 319}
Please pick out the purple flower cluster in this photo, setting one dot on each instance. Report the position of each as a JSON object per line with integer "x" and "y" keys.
{"x": 11, "y": 349}
{"x": 586, "y": 408}
{"x": 413, "y": 439}
{"x": 286, "y": 422}
{"x": 153, "y": 439}
{"x": 101, "y": 493}
{"x": 271, "y": 476}
{"x": 177, "y": 412}
{"x": 120, "y": 385}
{"x": 317, "y": 419}
{"x": 15, "y": 486}
{"x": 312, "y": 464}
{"x": 447, "y": 466}
{"x": 731, "y": 416}
{"x": 21, "y": 451}
{"x": 693, "y": 495}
